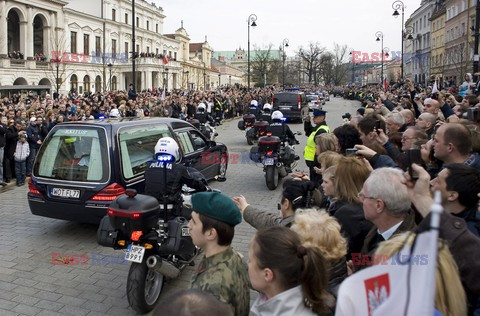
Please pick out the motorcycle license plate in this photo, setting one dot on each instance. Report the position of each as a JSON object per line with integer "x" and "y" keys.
{"x": 269, "y": 162}
{"x": 135, "y": 253}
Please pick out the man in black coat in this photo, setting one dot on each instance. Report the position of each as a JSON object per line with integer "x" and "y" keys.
{"x": 10, "y": 145}
{"x": 3, "y": 132}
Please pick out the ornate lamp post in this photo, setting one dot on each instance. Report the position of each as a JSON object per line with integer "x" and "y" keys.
{"x": 251, "y": 19}
{"x": 379, "y": 36}
{"x": 284, "y": 56}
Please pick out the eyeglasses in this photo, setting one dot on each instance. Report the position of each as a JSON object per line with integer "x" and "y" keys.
{"x": 362, "y": 196}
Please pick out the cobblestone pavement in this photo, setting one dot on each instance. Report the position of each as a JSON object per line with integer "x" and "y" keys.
{"x": 31, "y": 285}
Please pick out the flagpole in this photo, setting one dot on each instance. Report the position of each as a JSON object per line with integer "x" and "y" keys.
{"x": 436, "y": 210}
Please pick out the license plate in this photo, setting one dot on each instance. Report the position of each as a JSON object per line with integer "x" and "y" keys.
{"x": 285, "y": 108}
{"x": 269, "y": 161}
{"x": 135, "y": 253}
{"x": 66, "y": 193}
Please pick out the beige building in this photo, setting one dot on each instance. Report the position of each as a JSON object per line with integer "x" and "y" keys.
{"x": 437, "y": 58}
{"x": 457, "y": 51}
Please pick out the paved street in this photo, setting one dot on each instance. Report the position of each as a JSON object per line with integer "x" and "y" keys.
{"x": 31, "y": 285}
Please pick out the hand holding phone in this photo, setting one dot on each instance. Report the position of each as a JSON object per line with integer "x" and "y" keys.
{"x": 414, "y": 156}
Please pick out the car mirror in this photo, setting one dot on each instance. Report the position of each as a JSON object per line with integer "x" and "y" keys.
{"x": 212, "y": 143}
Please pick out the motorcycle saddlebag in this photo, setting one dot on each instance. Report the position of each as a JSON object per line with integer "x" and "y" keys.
{"x": 179, "y": 242}
{"x": 254, "y": 155}
{"x": 261, "y": 128}
{"x": 134, "y": 212}
{"x": 241, "y": 125}
{"x": 106, "y": 234}
{"x": 269, "y": 143}
{"x": 249, "y": 119}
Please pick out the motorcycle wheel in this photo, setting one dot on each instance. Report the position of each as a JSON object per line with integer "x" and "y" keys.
{"x": 249, "y": 140}
{"x": 143, "y": 287}
{"x": 271, "y": 177}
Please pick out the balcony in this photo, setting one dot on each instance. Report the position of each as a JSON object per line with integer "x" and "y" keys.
{"x": 17, "y": 63}
{"x": 41, "y": 64}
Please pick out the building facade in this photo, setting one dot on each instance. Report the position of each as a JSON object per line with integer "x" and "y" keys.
{"x": 421, "y": 43}
{"x": 86, "y": 46}
{"x": 437, "y": 58}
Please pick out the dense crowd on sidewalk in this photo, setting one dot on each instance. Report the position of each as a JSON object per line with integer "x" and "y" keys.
{"x": 407, "y": 142}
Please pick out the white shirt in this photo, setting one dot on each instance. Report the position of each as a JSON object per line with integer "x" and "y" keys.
{"x": 389, "y": 232}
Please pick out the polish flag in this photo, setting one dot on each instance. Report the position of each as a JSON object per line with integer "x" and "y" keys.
{"x": 165, "y": 60}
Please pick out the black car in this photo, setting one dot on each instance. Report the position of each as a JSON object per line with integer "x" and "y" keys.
{"x": 82, "y": 166}
{"x": 290, "y": 104}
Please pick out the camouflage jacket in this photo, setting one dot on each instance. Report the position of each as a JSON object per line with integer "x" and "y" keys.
{"x": 262, "y": 219}
{"x": 225, "y": 276}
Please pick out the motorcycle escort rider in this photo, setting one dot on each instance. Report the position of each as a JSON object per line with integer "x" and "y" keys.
{"x": 254, "y": 109}
{"x": 278, "y": 128}
{"x": 267, "y": 113}
{"x": 203, "y": 117}
{"x": 312, "y": 131}
{"x": 177, "y": 176}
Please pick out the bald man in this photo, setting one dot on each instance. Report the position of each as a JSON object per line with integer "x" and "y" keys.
{"x": 426, "y": 122}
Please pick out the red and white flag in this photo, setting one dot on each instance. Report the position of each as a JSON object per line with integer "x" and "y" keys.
{"x": 165, "y": 60}
{"x": 385, "y": 84}
{"x": 402, "y": 285}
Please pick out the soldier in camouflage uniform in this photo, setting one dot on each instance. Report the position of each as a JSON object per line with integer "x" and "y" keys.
{"x": 221, "y": 271}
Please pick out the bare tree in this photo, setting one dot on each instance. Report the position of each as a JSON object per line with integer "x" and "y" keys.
{"x": 310, "y": 57}
{"x": 339, "y": 64}
{"x": 58, "y": 67}
{"x": 265, "y": 64}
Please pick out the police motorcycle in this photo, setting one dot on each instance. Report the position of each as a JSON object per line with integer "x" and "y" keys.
{"x": 154, "y": 236}
{"x": 277, "y": 157}
{"x": 248, "y": 120}
{"x": 204, "y": 122}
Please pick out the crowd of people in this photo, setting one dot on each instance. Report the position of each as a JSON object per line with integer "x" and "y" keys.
{"x": 368, "y": 192}
{"x": 15, "y": 55}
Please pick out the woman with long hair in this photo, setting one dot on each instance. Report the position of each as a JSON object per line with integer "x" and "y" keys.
{"x": 291, "y": 278}
{"x": 350, "y": 174}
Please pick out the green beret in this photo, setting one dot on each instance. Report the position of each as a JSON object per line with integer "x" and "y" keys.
{"x": 218, "y": 206}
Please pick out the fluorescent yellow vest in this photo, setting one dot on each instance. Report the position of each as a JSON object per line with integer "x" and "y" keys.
{"x": 309, "y": 151}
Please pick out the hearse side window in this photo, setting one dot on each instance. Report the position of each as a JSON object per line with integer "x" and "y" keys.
{"x": 185, "y": 142}
{"x": 198, "y": 142}
{"x": 137, "y": 145}
{"x": 74, "y": 154}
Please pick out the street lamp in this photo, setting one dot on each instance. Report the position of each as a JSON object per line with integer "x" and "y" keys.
{"x": 353, "y": 67}
{"x": 284, "y": 56}
{"x": 133, "y": 49}
{"x": 110, "y": 69}
{"x": 379, "y": 36}
{"x": 229, "y": 80}
{"x": 398, "y": 5}
{"x": 251, "y": 19}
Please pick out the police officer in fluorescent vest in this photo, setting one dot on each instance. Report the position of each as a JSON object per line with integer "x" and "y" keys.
{"x": 312, "y": 131}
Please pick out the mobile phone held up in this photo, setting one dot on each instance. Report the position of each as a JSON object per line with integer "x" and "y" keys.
{"x": 351, "y": 152}
{"x": 414, "y": 156}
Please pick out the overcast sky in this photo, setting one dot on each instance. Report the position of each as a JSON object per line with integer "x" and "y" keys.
{"x": 351, "y": 22}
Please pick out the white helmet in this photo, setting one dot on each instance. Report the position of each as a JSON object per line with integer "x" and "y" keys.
{"x": 201, "y": 107}
{"x": 267, "y": 106}
{"x": 254, "y": 103}
{"x": 277, "y": 115}
{"x": 114, "y": 113}
{"x": 167, "y": 145}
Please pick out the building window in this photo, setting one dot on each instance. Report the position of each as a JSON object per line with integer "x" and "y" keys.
{"x": 420, "y": 23}
{"x": 98, "y": 46}
{"x": 114, "y": 47}
{"x": 175, "y": 56}
{"x": 156, "y": 28}
{"x": 126, "y": 18}
{"x": 113, "y": 14}
{"x": 148, "y": 25}
{"x": 126, "y": 47}
{"x": 164, "y": 52}
{"x": 138, "y": 21}
{"x": 86, "y": 44}
{"x": 73, "y": 42}
{"x": 137, "y": 49}
{"x": 148, "y": 50}
{"x": 156, "y": 51}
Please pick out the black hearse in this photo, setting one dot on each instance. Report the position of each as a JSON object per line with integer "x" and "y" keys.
{"x": 82, "y": 166}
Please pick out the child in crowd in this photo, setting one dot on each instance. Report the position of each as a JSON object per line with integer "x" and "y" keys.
{"x": 22, "y": 151}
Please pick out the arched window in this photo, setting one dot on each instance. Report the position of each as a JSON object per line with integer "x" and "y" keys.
{"x": 86, "y": 83}
{"x": 114, "y": 83}
{"x": 98, "y": 84}
{"x": 73, "y": 83}
{"x": 13, "y": 34}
